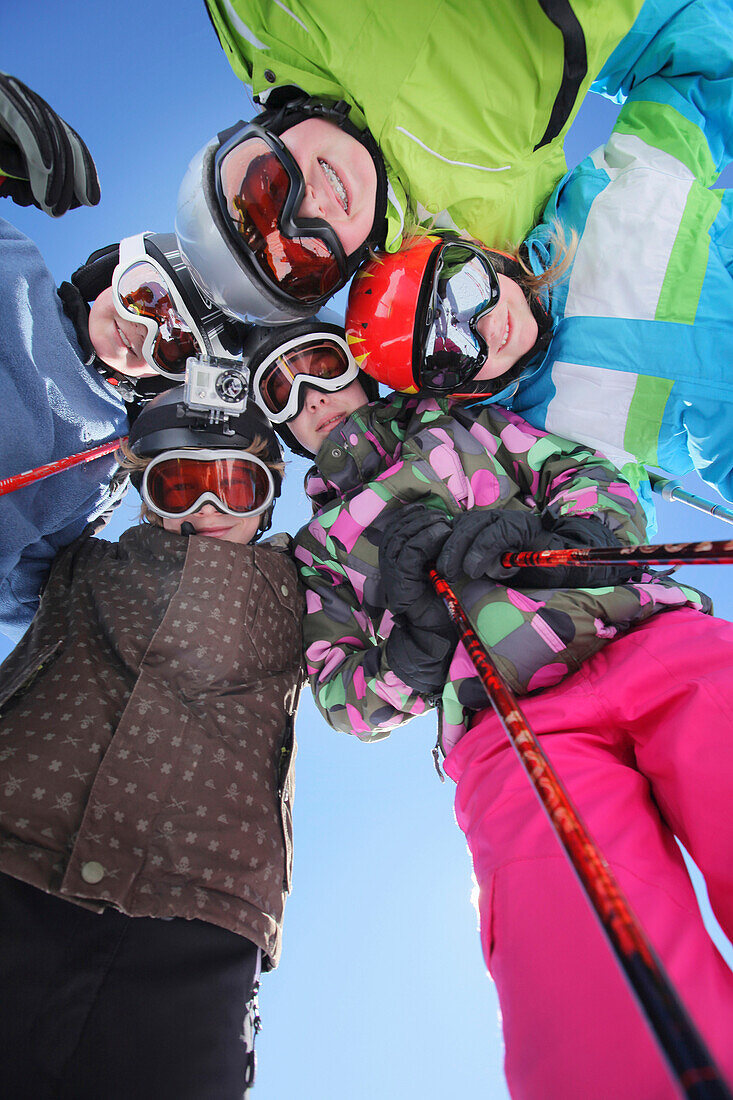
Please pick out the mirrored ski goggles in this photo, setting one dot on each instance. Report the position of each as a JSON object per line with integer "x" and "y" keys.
{"x": 179, "y": 482}
{"x": 464, "y": 287}
{"x": 146, "y": 295}
{"x": 323, "y": 361}
{"x": 260, "y": 189}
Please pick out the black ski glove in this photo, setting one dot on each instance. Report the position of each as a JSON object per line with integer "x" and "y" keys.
{"x": 45, "y": 162}
{"x": 480, "y": 538}
{"x": 411, "y": 541}
{"x": 421, "y": 658}
{"x": 421, "y": 645}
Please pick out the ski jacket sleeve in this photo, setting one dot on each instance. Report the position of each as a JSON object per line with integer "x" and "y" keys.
{"x": 353, "y": 685}
{"x": 674, "y": 70}
{"x": 469, "y": 102}
{"x": 537, "y": 638}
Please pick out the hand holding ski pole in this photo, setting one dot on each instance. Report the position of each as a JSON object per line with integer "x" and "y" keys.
{"x": 689, "y": 1061}
{"x": 43, "y": 161}
{"x": 670, "y": 553}
{"x": 482, "y": 537}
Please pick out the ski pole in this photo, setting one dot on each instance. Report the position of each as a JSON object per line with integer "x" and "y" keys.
{"x": 17, "y": 481}
{"x": 672, "y": 490}
{"x": 669, "y": 553}
{"x": 689, "y": 1061}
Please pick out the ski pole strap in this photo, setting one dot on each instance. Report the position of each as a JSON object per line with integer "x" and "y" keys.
{"x": 688, "y": 1060}
{"x": 670, "y": 553}
{"x": 17, "y": 481}
{"x": 672, "y": 490}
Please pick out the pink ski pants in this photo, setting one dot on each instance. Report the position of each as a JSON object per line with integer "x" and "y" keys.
{"x": 642, "y": 738}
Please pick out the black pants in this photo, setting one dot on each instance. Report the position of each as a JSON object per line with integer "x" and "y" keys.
{"x": 110, "y": 1007}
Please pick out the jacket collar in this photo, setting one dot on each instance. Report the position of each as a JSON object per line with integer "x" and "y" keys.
{"x": 369, "y": 442}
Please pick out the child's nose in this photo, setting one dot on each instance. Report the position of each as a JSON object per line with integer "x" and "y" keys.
{"x": 311, "y": 205}
{"x": 315, "y": 397}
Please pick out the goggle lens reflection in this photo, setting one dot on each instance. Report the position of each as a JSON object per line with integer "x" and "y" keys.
{"x": 465, "y": 287}
{"x": 143, "y": 293}
{"x": 175, "y": 484}
{"x": 304, "y": 267}
{"x": 323, "y": 360}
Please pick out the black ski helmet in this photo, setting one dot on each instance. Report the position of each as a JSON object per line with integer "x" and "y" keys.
{"x": 167, "y": 424}
{"x": 262, "y": 341}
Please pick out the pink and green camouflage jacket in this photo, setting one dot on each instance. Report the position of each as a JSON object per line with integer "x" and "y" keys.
{"x": 405, "y": 449}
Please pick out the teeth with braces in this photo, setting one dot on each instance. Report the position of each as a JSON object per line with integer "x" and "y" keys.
{"x": 336, "y": 183}
{"x": 504, "y": 337}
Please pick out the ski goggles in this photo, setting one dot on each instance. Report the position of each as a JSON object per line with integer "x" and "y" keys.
{"x": 280, "y": 381}
{"x": 301, "y": 257}
{"x": 146, "y": 294}
{"x": 464, "y": 286}
{"x": 179, "y": 482}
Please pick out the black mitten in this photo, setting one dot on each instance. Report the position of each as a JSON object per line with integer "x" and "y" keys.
{"x": 411, "y": 541}
{"x": 44, "y": 161}
{"x": 420, "y": 658}
{"x": 482, "y": 536}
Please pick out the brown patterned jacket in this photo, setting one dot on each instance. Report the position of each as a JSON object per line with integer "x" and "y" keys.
{"x": 146, "y": 732}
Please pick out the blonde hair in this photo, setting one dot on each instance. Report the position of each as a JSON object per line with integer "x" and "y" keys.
{"x": 562, "y": 245}
{"x": 137, "y": 464}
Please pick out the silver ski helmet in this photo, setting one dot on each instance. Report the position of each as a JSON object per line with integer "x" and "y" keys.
{"x": 269, "y": 264}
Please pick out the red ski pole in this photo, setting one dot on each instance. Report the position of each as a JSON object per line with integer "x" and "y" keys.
{"x": 688, "y": 1060}
{"x": 17, "y": 481}
{"x": 670, "y": 553}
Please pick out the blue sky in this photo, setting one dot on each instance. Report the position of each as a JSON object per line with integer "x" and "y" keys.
{"x": 381, "y": 990}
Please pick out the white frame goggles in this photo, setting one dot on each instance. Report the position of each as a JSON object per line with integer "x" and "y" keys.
{"x": 132, "y": 251}
{"x": 301, "y": 380}
{"x": 207, "y": 455}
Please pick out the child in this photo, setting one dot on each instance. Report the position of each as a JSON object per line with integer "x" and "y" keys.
{"x": 146, "y": 830}
{"x": 629, "y": 688}
{"x": 629, "y": 350}
{"x": 76, "y": 364}
{"x": 448, "y": 113}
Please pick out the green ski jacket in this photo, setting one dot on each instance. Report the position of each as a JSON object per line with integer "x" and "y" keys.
{"x": 469, "y": 101}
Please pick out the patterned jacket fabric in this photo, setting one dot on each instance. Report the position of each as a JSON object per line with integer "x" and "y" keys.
{"x": 405, "y": 449}
{"x": 146, "y": 732}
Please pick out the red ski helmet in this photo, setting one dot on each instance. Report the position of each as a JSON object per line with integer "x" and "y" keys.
{"x": 411, "y": 320}
{"x": 380, "y": 316}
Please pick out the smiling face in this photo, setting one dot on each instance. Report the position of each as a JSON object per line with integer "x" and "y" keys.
{"x": 509, "y": 330}
{"x": 339, "y": 174}
{"x": 211, "y": 523}
{"x": 117, "y": 342}
{"x": 323, "y": 411}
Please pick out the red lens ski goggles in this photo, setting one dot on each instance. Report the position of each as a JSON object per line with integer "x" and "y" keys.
{"x": 145, "y": 294}
{"x": 179, "y": 482}
{"x": 301, "y": 257}
{"x": 320, "y": 360}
